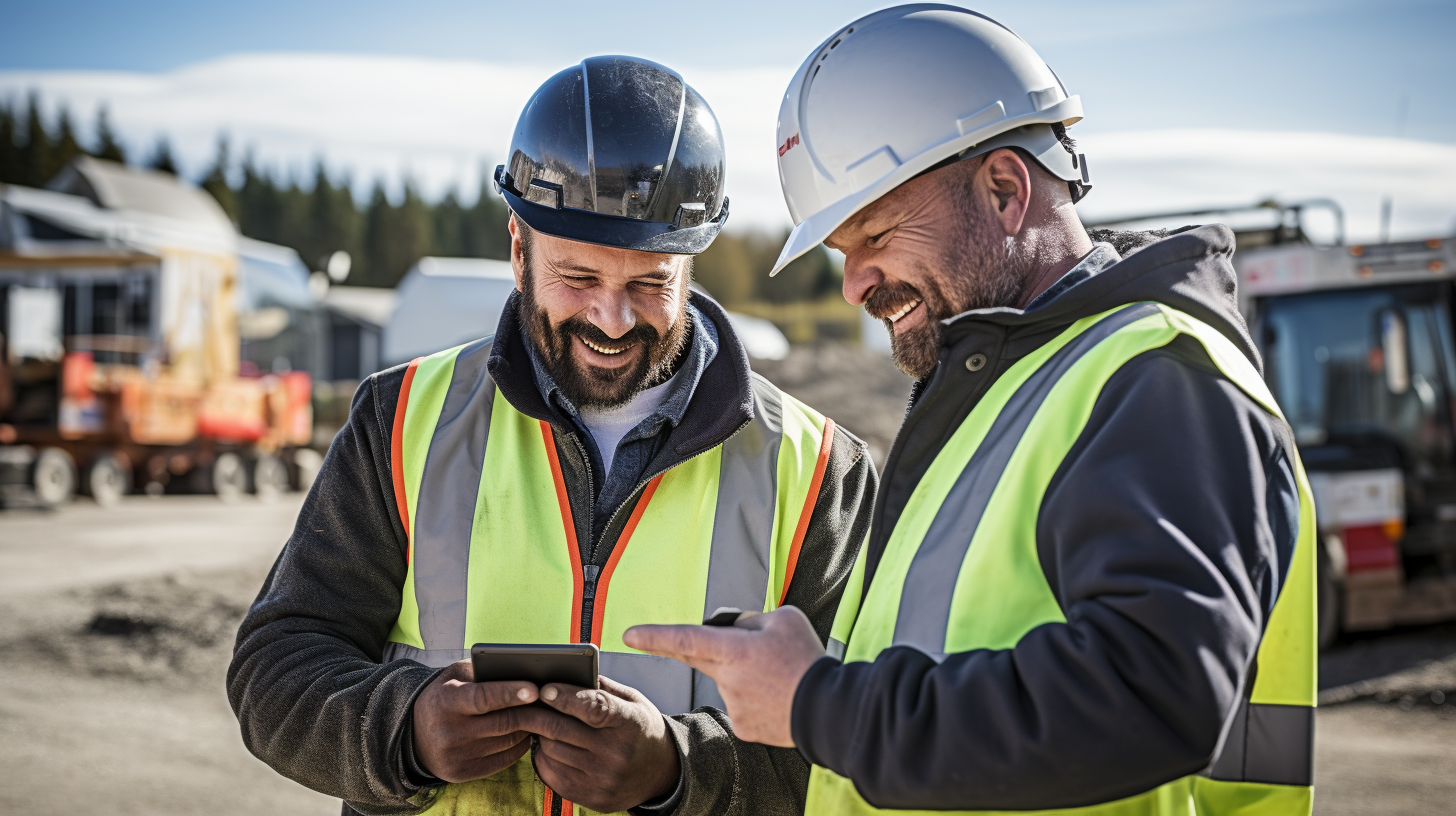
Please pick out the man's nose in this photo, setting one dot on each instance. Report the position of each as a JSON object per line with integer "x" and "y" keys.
{"x": 861, "y": 278}
{"x": 612, "y": 313}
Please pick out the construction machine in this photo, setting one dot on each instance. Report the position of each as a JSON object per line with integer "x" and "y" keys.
{"x": 1358, "y": 349}
{"x": 120, "y": 347}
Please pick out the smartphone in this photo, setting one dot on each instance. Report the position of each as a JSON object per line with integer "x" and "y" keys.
{"x": 539, "y": 663}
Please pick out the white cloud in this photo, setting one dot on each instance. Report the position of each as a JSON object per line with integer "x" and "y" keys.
{"x": 439, "y": 120}
{"x": 1152, "y": 171}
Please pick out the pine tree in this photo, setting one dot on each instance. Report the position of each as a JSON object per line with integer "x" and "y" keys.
{"x": 394, "y": 237}
{"x": 12, "y": 163}
{"x": 66, "y": 147}
{"x": 449, "y": 219}
{"x": 377, "y": 222}
{"x": 106, "y": 145}
{"x": 36, "y": 154}
{"x": 162, "y": 157}
{"x": 216, "y": 182}
{"x": 484, "y": 233}
{"x": 260, "y": 207}
{"x": 333, "y": 219}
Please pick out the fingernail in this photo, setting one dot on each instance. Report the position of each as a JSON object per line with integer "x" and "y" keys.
{"x": 524, "y": 694}
{"x": 548, "y": 694}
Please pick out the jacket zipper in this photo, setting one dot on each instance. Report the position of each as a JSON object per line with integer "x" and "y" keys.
{"x": 590, "y": 570}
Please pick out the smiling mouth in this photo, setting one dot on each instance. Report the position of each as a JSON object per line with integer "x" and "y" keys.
{"x": 903, "y": 310}
{"x": 603, "y": 349}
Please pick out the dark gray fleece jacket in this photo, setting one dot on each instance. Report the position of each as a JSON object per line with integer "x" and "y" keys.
{"x": 306, "y": 682}
{"x": 1163, "y": 536}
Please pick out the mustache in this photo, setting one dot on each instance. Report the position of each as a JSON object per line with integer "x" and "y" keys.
{"x": 642, "y": 333}
{"x": 887, "y": 299}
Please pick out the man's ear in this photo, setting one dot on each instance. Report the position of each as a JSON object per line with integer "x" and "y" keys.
{"x": 518, "y": 253}
{"x": 1007, "y": 181}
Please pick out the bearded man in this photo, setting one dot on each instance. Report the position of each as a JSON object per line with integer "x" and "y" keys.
{"x": 609, "y": 436}
{"x": 1089, "y": 582}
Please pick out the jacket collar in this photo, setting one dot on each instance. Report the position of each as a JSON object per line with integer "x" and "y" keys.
{"x": 720, "y": 405}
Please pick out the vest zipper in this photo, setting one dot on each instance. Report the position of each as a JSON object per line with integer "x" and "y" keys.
{"x": 590, "y": 570}
{"x": 589, "y": 575}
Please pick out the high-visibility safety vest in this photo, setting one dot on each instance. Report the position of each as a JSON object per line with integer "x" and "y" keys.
{"x": 493, "y": 550}
{"x": 960, "y": 570}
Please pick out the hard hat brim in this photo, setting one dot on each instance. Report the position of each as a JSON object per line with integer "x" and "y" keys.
{"x": 1004, "y": 133}
{"x": 615, "y": 231}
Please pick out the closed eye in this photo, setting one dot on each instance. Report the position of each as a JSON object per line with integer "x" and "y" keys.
{"x": 880, "y": 239}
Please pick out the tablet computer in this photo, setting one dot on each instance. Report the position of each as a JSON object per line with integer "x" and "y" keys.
{"x": 539, "y": 663}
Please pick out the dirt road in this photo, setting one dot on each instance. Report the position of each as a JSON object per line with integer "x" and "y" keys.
{"x": 115, "y": 632}
{"x": 116, "y": 627}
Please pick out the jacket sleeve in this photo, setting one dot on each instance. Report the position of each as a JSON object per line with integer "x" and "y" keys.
{"x": 306, "y": 681}
{"x": 723, "y": 775}
{"x": 1160, "y": 536}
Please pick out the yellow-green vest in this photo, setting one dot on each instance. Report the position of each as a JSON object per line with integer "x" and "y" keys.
{"x": 493, "y": 555}
{"x": 960, "y": 570}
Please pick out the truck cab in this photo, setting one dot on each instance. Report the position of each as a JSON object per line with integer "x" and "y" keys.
{"x": 1358, "y": 349}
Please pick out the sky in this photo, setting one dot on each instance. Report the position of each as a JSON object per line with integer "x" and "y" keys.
{"x": 1188, "y": 104}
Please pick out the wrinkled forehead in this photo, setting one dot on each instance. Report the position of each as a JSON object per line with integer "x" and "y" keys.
{"x": 610, "y": 262}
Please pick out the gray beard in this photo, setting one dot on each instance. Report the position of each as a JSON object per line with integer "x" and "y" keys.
{"x": 980, "y": 268}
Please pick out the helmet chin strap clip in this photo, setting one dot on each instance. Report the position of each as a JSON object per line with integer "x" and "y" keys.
{"x": 1080, "y": 189}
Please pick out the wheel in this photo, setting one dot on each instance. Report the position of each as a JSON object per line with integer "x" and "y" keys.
{"x": 54, "y": 477}
{"x": 270, "y": 477}
{"x": 229, "y": 477}
{"x": 108, "y": 480}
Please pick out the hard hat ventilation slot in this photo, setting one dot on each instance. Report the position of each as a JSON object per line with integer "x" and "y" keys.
{"x": 544, "y": 193}
{"x": 690, "y": 215}
{"x": 1044, "y": 98}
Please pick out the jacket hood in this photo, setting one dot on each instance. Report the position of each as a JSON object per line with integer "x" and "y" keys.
{"x": 1190, "y": 270}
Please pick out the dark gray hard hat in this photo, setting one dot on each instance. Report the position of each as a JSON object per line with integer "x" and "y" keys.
{"x": 618, "y": 151}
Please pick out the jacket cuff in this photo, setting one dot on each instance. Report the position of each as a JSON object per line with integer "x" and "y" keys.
{"x": 821, "y": 721}
{"x": 664, "y": 807}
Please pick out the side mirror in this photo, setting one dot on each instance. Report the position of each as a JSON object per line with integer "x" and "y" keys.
{"x": 1393, "y": 349}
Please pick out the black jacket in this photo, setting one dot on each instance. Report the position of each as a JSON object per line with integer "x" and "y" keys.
{"x": 1163, "y": 536}
{"x": 306, "y": 682}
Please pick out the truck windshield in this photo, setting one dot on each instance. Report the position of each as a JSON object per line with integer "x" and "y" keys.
{"x": 1363, "y": 364}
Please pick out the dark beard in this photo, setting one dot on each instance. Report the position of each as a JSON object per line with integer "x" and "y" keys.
{"x": 976, "y": 272}
{"x": 588, "y": 386}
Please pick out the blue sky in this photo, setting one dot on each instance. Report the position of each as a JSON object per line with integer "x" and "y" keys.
{"x": 1365, "y": 68}
{"x": 1188, "y": 104}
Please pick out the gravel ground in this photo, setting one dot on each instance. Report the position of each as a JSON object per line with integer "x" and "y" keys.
{"x": 859, "y": 389}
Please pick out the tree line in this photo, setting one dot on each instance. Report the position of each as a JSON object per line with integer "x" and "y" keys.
{"x": 384, "y": 234}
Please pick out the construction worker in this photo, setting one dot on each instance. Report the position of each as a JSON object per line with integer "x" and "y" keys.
{"x": 610, "y": 436}
{"x": 1088, "y": 586}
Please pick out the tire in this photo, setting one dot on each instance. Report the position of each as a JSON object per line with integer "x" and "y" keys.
{"x": 229, "y": 477}
{"x": 270, "y": 477}
{"x": 54, "y": 478}
{"x": 108, "y": 480}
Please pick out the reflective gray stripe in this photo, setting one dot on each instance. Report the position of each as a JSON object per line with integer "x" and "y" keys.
{"x": 445, "y": 508}
{"x": 743, "y": 523}
{"x": 1271, "y": 744}
{"x": 434, "y": 658}
{"x": 924, "y": 614}
{"x": 666, "y": 682}
{"x": 835, "y": 649}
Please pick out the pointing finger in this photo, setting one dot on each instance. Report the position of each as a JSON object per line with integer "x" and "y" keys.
{"x": 685, "y": 643}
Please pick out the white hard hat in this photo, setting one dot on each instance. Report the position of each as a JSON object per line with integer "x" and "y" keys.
{"x": 897, "y": 92}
